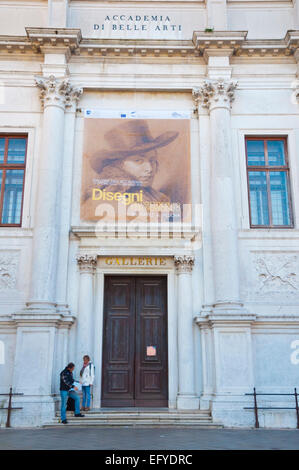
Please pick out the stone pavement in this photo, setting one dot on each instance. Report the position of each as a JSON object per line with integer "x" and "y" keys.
{"x": 96, "y": 438}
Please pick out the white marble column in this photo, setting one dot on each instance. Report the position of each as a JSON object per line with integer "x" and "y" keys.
{"x": 186, "y": 398}
{"x": 85, "y": 319}
{"x": 217, "y": 95}
{"x": 65, "y": 206}
{"x": 55, "y": 95}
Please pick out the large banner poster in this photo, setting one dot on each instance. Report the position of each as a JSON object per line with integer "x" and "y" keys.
{"x": 136, "y": 165}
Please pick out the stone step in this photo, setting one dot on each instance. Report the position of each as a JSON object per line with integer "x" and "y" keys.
{"x": 139, "y": 418}
{"x": 116, "y": 417}
{"x": 99, "y": 414}
{"x": 134, "y": 423}
{"x": 167, "y": 414}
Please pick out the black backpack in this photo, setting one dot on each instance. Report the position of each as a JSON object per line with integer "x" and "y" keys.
{"x": 70, "y": 404}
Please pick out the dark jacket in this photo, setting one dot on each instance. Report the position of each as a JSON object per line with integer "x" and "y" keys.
{"x": 66, "y": 379}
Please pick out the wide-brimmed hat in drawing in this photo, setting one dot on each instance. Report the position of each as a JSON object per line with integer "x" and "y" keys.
{"x": 131, "y": 137}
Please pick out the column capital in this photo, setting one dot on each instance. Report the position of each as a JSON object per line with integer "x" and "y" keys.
{"x": 73, "y": 97}
{"x": 295, "y": 87}
{"x": 87, "y": 263}
{"x": 218, "y": 93}
{"x": 57, "y": 92}
{"x": 184, "y": 264}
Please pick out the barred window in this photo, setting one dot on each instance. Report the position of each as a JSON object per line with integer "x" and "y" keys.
{"x": 268, "y": 182}
{"x": 13, "y": 150}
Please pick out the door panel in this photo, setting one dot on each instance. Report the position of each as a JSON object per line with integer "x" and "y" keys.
{"x": 151, "y": 342}
{"x": 118, "y": 344}
{"x": 135, "y": 361}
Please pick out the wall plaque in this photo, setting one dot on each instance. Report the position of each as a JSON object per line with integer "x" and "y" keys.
{"x": 151, "y": 351}
{"x": 142, "y": 22}
{"x": 127, "y": 262}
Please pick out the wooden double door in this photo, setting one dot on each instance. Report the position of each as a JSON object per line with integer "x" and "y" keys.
{"x": 135, "y": 357}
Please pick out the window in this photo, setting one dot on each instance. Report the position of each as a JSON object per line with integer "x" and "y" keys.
{"x": 268, "y": 182}
{"x": 12, "y": 172}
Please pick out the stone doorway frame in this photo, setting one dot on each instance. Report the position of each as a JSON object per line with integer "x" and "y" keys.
{"x": 169, "y": 272}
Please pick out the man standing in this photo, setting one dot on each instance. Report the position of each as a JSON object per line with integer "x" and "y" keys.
{"x": 87, "y": 379}
{"x": 67, "y": 389}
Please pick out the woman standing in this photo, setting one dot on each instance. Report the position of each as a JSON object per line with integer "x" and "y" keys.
{"x": 87, "y": 379}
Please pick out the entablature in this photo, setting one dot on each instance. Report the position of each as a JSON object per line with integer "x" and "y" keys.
{"x": 40, "y": 41}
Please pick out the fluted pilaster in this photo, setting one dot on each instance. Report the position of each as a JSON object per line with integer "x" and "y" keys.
{"x": 87, "y": 268}
{"x": 186, "y": 395}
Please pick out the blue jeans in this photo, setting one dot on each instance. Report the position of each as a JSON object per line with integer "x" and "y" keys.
{"x": 86, "y": 396}
{"x": 64, "y": 394}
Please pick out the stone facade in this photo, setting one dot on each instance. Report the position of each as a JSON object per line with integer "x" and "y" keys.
{"x": 233, "y": 291}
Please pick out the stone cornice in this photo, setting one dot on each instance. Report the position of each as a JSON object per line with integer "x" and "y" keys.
{"x": 58, "y": 40}
{"x": 31, "y": 318}
{"x": 16, "y": 44}
{"x": 235, "y": 43}
{"x": 135, "y": 48}
{"x": 91, "y": 231}
{"x": 218, "y": 42}
{"x": 292, "y": 39}
{"x": 256, "y": 320}
{"x": 68, "y": 41}
{"x": 212, "y": 319}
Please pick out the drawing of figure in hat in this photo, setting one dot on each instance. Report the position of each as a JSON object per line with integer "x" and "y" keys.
{"x": 129, "y": 163}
